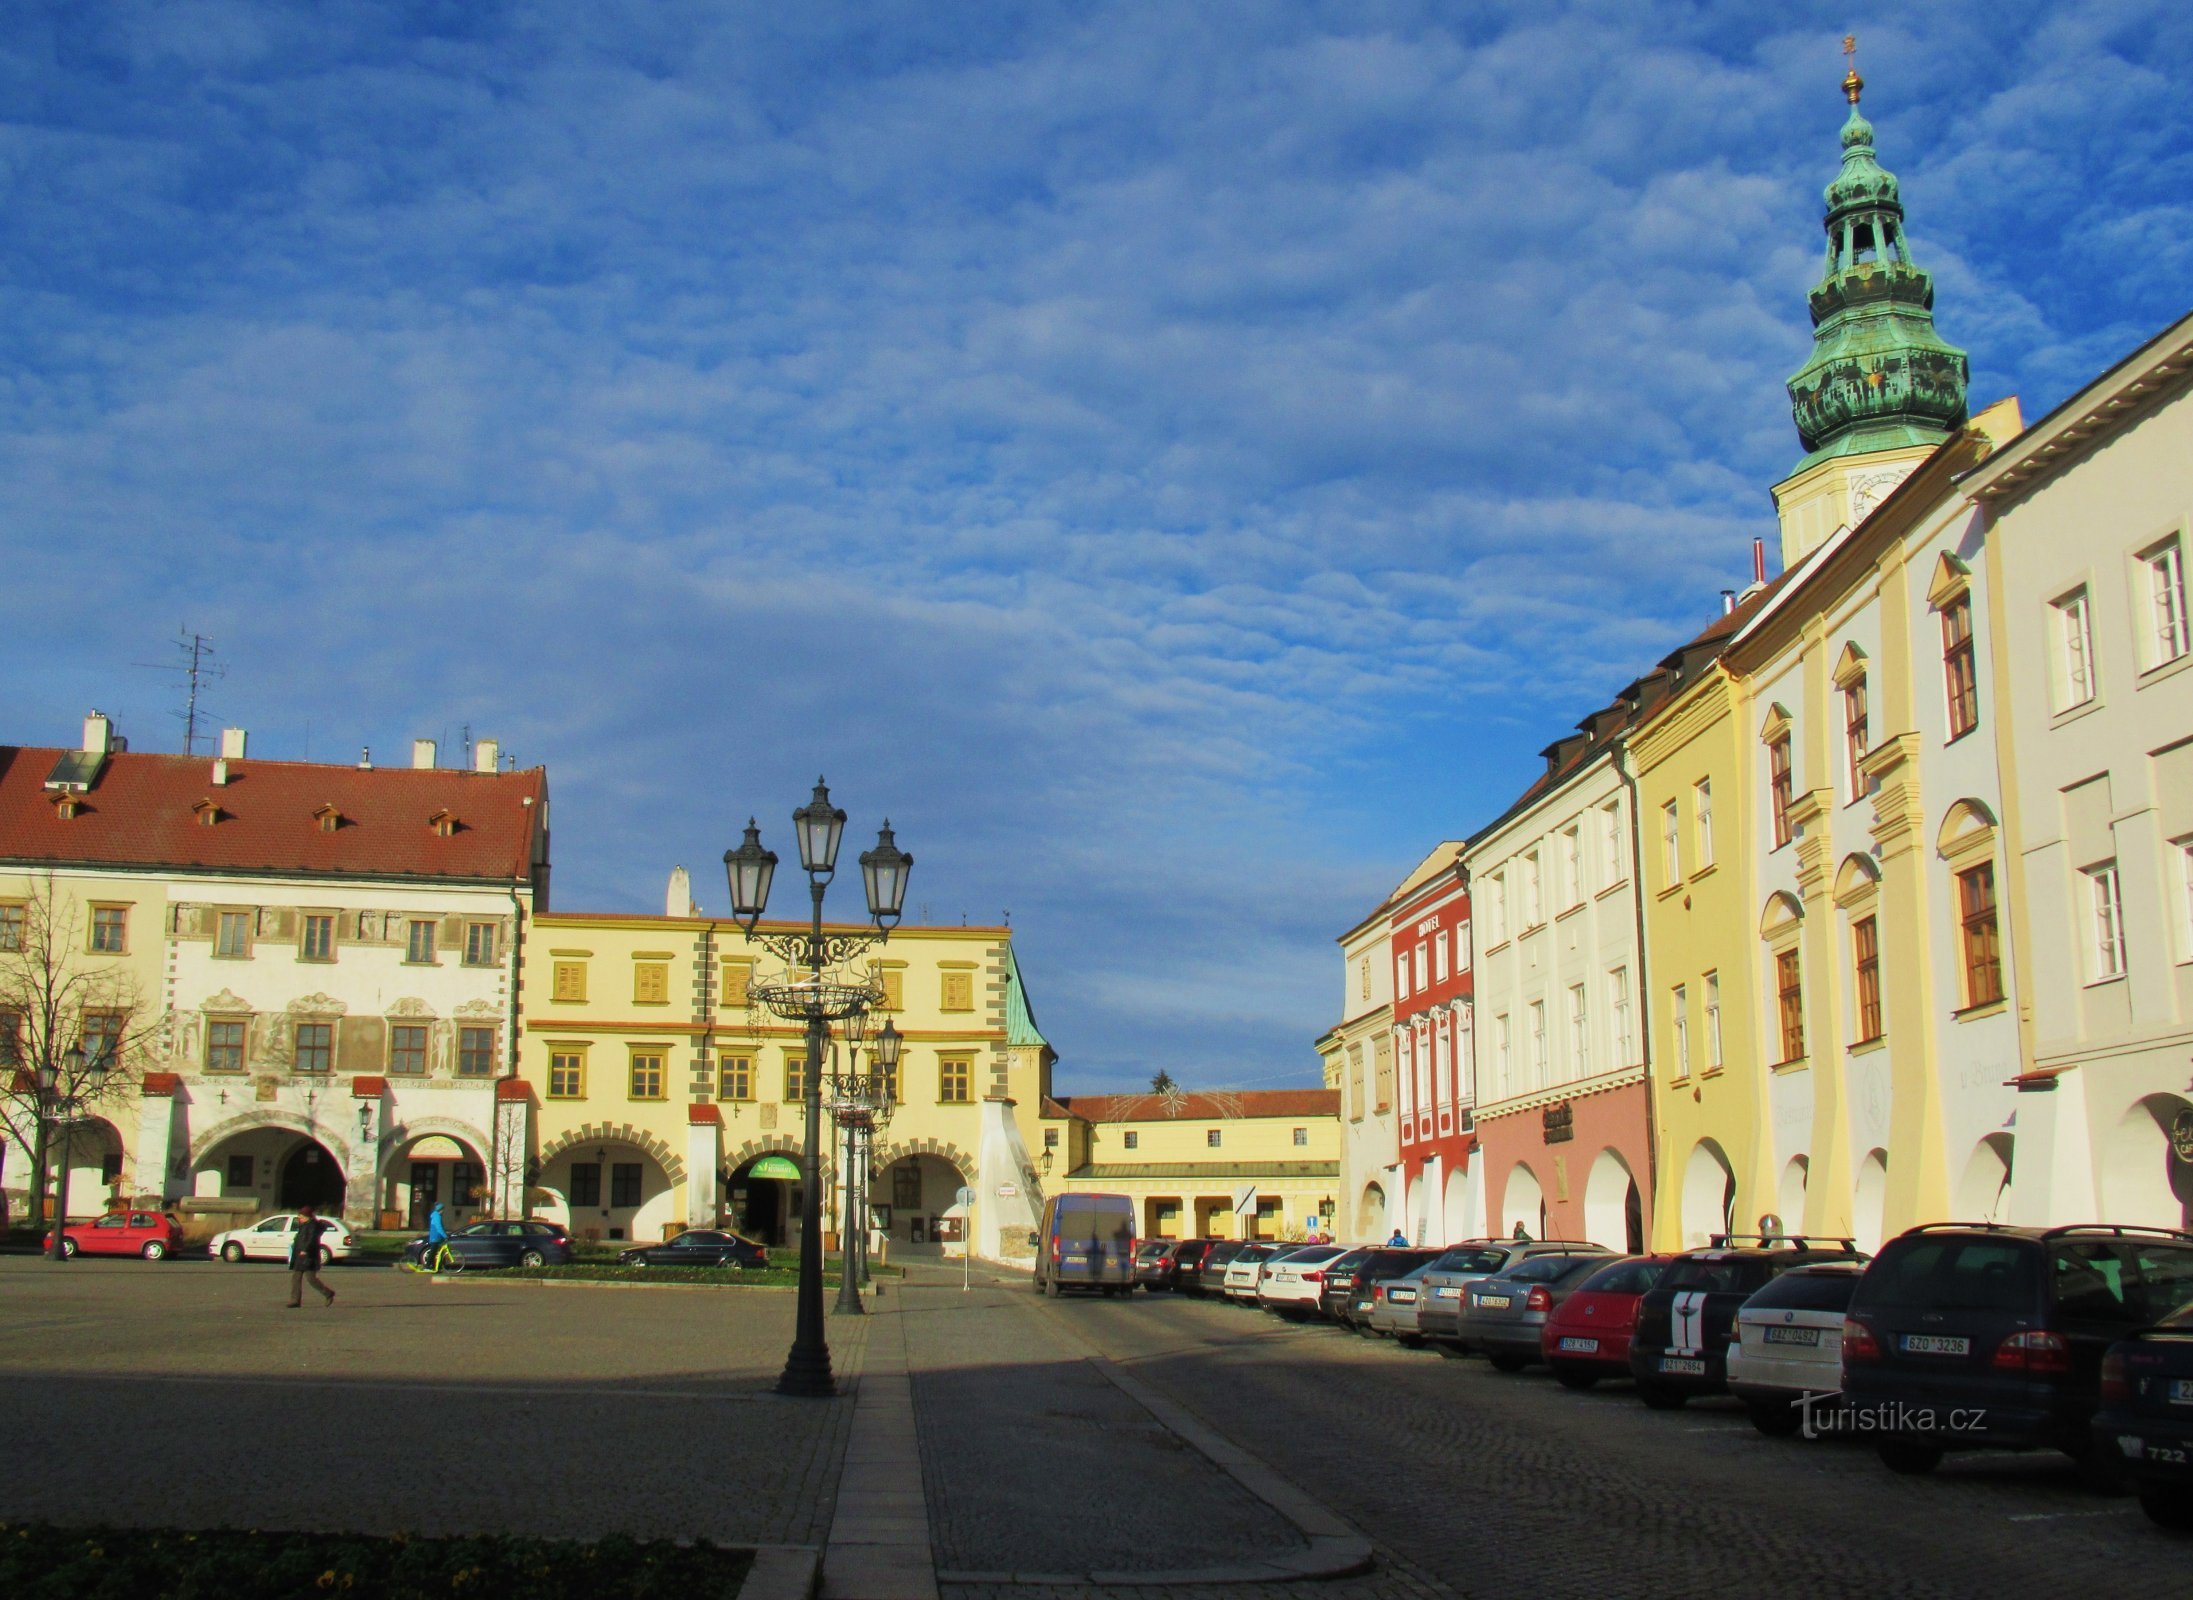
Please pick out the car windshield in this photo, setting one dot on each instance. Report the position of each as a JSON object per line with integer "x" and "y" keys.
{"x": 1806, "y": 1291}
{"x": 1624, "y": 1277}
{"x": 1949, "y": 1273}
{"x": 1548, "y": 1269}
{"x": 1352, "y": 1258}
{"x": 1311, "y": 1255}
{"x": 1473, "y": 1258}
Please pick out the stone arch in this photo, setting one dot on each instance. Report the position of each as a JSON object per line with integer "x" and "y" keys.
{"x": 1869, "y": 1201}
{"x": 1983, "y": 1192}
{"x": 287, "y": 1121}
{"x": 1370, "y": 1213}
{"x": 1522, "y": 1201}
{"x": 397, "y": 1139}
{"x": 2136, "y": 1164}
{"x": 774, "y": 1145}
{"x": 1790, "y": 1197}
{"x": 1611, "y": 1201}
{"x": 943, "y": 1149}
{"x": 1709, "y": 1194}
{"x": 672, "y": 1164}
{"x": 1458, "y": 1209}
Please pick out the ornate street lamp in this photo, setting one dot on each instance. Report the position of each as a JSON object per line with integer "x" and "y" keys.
{"x": 816, "y": 1001}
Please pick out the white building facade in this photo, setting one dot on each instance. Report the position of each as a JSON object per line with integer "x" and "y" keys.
{"x": 1357, "y": 1054}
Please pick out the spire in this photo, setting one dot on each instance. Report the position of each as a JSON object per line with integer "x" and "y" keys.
{"x": 1880, "y": 378}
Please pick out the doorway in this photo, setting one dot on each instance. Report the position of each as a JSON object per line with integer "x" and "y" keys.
{"x": 310, "y": 1177}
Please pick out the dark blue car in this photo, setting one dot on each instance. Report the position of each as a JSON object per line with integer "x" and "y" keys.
{"x": 493, "y": 1244}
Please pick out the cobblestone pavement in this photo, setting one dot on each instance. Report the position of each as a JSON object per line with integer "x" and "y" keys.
{"x": 1471, "y": 1482}
{"x": 184, "y": 1393}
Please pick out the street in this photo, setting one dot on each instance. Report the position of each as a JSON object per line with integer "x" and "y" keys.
{"x": 438, "y": 1406}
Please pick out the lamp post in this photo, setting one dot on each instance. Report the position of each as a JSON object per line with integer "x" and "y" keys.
{"x": 816, "y": 1002}
{"x": 61, "y": 1106}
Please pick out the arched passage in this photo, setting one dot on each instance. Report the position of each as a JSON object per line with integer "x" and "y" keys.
{"x": 611, "y": 1188}
{"x": 2143, "y": 1180}
{"x": 1370, "y": 1214}
{"x": 1613, "y": 1209}
{"x": 1522, "y": 1203}
{"x": 1459, "y": 1212}
{"x": 1983, "y": 1192}
{"x": 1789, "y": 1196}
{"x": 917, "y": 1190}
{"x": 261, "y": 1164}
{"x": 1709, "y": 1193}
{"x": 424, "y": 1169}
{"x": 1869, "y": 1201}
{"x": 92, "y": 1148}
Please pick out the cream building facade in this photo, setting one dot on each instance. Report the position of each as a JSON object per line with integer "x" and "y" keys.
{"x": 1357, "y": 1056}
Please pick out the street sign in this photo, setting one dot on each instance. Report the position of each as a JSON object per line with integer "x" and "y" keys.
{"x": 1008, "y": 1191}
{"x": 966, "y": 1196}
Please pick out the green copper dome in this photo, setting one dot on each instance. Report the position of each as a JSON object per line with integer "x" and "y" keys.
{"x": 1880, "y": 377}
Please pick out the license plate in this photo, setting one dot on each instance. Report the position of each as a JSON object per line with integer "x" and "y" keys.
{"x": 1582, "y": 1347}
{"x": 1693, "y": 1366}
{"x": 2181, "y": 1391}
{"x": 1935, "y": 1344}
{"x": 1792, "y": 1336}
{"x": 1447, "y": 1291}
{"x": 1363, "y": 1305}
{"x": 1403, "y": 1297}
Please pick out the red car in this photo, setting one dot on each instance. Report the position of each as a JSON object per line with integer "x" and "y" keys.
{"x": 1587, "y": 1336}
{"x": 121, "y": 1233}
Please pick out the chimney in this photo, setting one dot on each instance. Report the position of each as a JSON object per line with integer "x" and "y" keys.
{"x": 232, "y": 743}
{"x": 98, "y": 734}
{"x": 220, "y": 770}
{"x": 487, "y": 755}
{"x": 422, "y": 754}
{"x": 1758, "y": 561}
{"x": 365, "y": 758}
{"x": 1728, "y": 601}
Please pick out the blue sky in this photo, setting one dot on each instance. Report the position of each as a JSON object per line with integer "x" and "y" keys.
{"x": 1178, "y": 461}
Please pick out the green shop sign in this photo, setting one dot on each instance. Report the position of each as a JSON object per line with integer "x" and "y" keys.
{"x": 775, "y": 1167}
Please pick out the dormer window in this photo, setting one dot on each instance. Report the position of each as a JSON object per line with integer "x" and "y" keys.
{"x": 443, "y": 822}
{"x": 66, "y": 805}
{"x": 207, "y": 813}
{"x": 328, "y": 818}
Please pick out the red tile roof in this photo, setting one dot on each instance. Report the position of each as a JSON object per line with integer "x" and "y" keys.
{"x": 368, "y": 1088}
{"x": 141, "y": 813}
{"x": 700, "y": 1112}
{"x": 514, "y": 1089}
{"x": 1218, "y": 1104}
{"x": 159, "y": 1085}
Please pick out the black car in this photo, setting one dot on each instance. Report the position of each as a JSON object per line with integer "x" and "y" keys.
{"x": 494, "y": 1244}
{"x": 1978, "y": 1336}
{"x": 2146, "y": 1419}
{"x": 1188, "y": 1259}
{"x": 1387, "y": 1261}
{"x": 1686, "y": 1320}
{"x": 1339, "y": 1282}
{"x": 1209, "y": 1275}
{"x": 698, "y": 1247}
{"x": 1157, "y": 1261}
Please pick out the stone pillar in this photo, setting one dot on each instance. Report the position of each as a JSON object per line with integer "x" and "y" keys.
{"x": 361, "y": 1156}
{"x": 1002, "y": 1222}
{"x": 703, "y": 1158}
{"x": 156, "y": 1137}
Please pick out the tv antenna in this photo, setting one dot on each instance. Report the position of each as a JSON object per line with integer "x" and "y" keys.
{"x": 194, "y": 670}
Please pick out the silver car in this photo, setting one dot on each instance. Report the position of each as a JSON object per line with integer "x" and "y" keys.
{"x": 1789, "y": 1344}
{"x": 1393, "y": 1307}
{"x": 1503, "y": 1316}
{"x": 1448, "y": 1280}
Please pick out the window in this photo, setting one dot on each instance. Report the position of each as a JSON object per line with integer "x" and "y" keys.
{"x": 2074, "y": 651}
{"x": 1532, "y": 911}
{"x": 1713, "y": 1021}
{"x": 1538, "y": 1041}
{"x": 1301, "y": 1138}
{"x": 1982, "y": 944}
{"x": 651, "y": 983}
{"x": 419, "y": 940}
{"x": 2168, "y": 636}
{"x": 737, "y": 975}
{"x": 624, "y": 1183}
{"x": 955, "y": 1080}
{"x": 1671, "y": 844}
{"x": 1129, "y": 1140}
{"x": 109, "y": 929}
{"x": 239, "y": 1172}
{"x": 1857, "y": 737}
{"x": 1610, "y": 840}
{"x": 1789, "y": 993}
{"x": 224, "y": 1046}
{"x": 958, "y": 991}
{"x": 795, "y": 1074}
{"x": 1503, "y": 1055}
{"x": 315, "y": 1047}
{"x": 1572, "y": 867}
{"x": 1618, "y": 1013}
{"x": 569, "y": 982}
{"x": 1050, "y": 1138}
{"x": 232, "y": 934}
{"x": 646, "y": 1081}
{"x": 475, "y": 1052}
{"x": 567, "y": 1081}
{"x": 1702, "y": 801}
{"x": 479, "y": 944}
{"x": 1213, "y": 1138}
{"x": 1782, "y": 785}
{"x": 1462, "y": 937}
{"x": 319, "y": 938}
{"x": 1679, "y": 1010}
{"x": 586, "y": 1183}
{"x": 1423, "y": 967}
{"x": 1363, "y": 978}
{"x": 894, "y": 988}
{"x": 11, "y": 927}
{"x": 1960, "y": 678}
{"x": 1439, "y": 954}
{"x": 1579, "y": 1033}
{"x": 2108, "y": 921}
{"x": 735, "y": 1080}
{"x": 1401, "y": 975}
{"x": 1496, "y": 909}
{"x": 407, "y": 1050}
{"x": 1865, "y": 947}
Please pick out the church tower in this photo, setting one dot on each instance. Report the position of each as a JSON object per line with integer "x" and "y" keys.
{"x": 1882, "y": 389}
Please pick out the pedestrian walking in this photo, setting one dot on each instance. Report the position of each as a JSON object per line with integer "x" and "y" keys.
{"x": 304, "y": 1257}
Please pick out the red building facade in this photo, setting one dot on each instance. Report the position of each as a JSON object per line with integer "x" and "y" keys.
{"x": 1435, "y": 1085}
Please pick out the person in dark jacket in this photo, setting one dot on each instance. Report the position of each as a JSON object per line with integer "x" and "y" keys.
{"x": 305, "y": 1257}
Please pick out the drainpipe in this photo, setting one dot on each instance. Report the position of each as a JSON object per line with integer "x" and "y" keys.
{"x": 1644, "y": 980}
{"x": 510, "y": 1059}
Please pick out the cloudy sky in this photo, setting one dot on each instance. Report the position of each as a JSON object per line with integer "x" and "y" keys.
{"x": 1179, "y": 461}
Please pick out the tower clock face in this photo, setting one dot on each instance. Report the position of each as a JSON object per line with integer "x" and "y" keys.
{"x": 1870, "y": 490}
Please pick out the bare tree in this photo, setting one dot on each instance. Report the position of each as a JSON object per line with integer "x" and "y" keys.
{"x": 506, "y": 1188}
{"x": 73, "y": 1024}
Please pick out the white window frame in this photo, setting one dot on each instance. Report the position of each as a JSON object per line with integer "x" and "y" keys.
{"x": 1679, "y": 1003}
{"x": 1579, "y": 1032}
{"x": 1610, "y": 841}
{"x": 1671, "y": 843}
{"x": 1713, "y": 1020}
{"x": 1503, "y": 1055}
{"x": 1538, "y": 1043}
{"x": 2169, "y": 633}
{"x": 2105, "y": 895}
{"x": 1439, "y": 956}
{"x": 1701, "y": 796}
{"x": 2072, "y": 619}
{"x": 1571, "y": 852}
{"x": 1618, "y": 1006}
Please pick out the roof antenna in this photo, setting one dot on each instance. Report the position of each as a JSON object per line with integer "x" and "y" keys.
{"x": 195, "y": 670}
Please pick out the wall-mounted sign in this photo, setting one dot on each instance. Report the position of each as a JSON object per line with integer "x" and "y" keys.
{"x": 1559, "y": 1122}
{"x": 1006, "y": 1191}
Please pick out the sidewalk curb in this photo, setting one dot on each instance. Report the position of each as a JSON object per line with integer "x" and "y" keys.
{"x": 1328, "y": 1556}
{"x": 783, "y": 1572}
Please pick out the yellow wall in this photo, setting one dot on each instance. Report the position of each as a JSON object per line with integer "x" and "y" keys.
{"x": 1192, "y": 1190}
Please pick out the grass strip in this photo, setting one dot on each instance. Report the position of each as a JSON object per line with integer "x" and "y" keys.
{"x": 39, "y": 1561}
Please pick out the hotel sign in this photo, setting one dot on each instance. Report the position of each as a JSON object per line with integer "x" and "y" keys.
{"x": 1559, "y": 1122}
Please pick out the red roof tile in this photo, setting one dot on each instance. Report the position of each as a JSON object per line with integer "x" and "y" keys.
{"x": 1217, "y": 1104}
{"x": 141, "y": 813}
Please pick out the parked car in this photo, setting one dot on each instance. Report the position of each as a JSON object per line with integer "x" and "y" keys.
{"x": 1680, "y": 1345}
{"x": 1209, "y": 1276}
{"x": 1787, "y": 1356}
{"x": 1246, "y": 1267}
{"x": 698, "y": 1247}
{"x": 1587, "y": 1336}
{"x": 2146, "y": 1417}
{"x": 1087, "y": 1241}
{"x": 1339, "y": 1282}
{"x": 494, "y": 1244}
{"x": 1973, "y": 1335}
{"x": 1292, "y": 1282}
{"x": 1383, "y": 1262}
{"x": 1393, "y": 1307}
{"x": 1157, "y": 1263}
{"x": 121, "y": 1233}
{"x": 1190, "y": 1262}
{"x": 1503, "y": 1316}
{"x": 269, "y": 1240}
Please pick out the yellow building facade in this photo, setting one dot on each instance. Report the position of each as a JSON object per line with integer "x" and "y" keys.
{"x": 666, "y": 1099}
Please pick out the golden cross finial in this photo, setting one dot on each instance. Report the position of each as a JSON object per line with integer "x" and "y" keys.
{"x": 1852, "y": 83}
